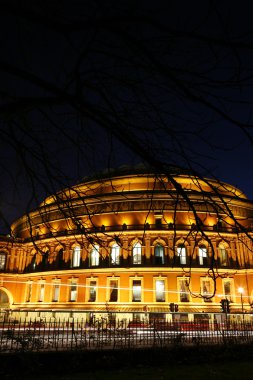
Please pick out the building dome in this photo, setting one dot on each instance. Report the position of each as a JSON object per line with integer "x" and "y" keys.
{"x": 126, "y": 195}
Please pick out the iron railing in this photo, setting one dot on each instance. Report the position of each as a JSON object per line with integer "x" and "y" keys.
{"x": 101, "y": 333}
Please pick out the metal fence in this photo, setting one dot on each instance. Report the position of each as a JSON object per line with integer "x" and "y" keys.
{"x": 102, "y": 334}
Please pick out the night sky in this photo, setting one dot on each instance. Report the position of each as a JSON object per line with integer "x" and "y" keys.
{"x": 89, "y": 85}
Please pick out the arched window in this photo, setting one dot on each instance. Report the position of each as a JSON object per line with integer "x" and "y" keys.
{"x": 115, "y": 251}
{"x": 76, "y": 257}
{"x": 33, "y": 262}
{"x": 223, "y": 254}
{"x": 59, "y": 259}
{"x": 94, "y": 256}
{"x": 202, "y": 255}
{"x": 137, "y": 253}
{"x": 181, "y": 253}
{"x": 2, "y": 260}
{"x": 159, "y": 254}
{"x": 45, "y": 258}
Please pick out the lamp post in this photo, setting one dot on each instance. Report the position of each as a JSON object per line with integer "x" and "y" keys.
{"x": 241, "y": 290}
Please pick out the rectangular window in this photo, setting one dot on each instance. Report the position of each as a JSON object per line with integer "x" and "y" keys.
{"x": 206, "y": 290}
{"x": 56, "y": 292}
{"x": 158, "y": 223}
{"x": 184, "y": 290}
{"x": 227, "y": 289}
{"x": 160, "y": 290}
{"x": 73, "y": 291}
{"x": 113, "y": 289}
{"x": 136, "y": 296}
{"x": 41, "y": 292}
{"x": 92, "y": 291}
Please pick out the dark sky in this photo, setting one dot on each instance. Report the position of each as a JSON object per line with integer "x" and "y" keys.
{"x": 90, "y": 85}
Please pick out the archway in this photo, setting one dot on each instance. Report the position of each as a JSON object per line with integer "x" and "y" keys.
{"x": 4, "y": 299}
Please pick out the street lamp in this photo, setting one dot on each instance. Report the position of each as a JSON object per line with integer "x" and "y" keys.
{"x": 241, "y": 291}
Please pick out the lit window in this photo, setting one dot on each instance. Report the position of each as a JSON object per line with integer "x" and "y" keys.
{"x": 137, "y": 253}
{"x": 115, "y": 251}
{"x": 136, "y": 296}
{"x": 76, "y": 257}
{"x": 33, "y": 262}
{"x": 56, "y": 292}
{"x": 159, "y": 290}
{"x": 159, "y": 254}
{"x": 223, "y": 253}
{"x": 41, "y": 292}
{"x": 184, "y": 290}
{"x": 206, "y": 290}
{"x": 227, "y": 287}
{"x": 202, "y": 255}
{"x": 73, "y": 291}
{"x": 181, "y": 253}
{"x": 94, "y": 256}
{"x": 92, "y": 291}
{"x": 113, "y": 296}
{"x": 2, "y": 260}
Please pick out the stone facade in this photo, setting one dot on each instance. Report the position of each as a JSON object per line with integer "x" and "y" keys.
{"x": 131, "y": 243}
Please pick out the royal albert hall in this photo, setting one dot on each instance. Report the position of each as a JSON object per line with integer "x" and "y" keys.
{"x": 132, "y": 243}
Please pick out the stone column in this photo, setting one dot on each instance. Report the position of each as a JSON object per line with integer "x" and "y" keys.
{"x": 233, "y": 250}
{"x": 66, "y": 253}
{"x": 171, "y": 252}
{"x": 214, "y": 247}
{"x": 125, "y": 247}
{"x": 147, "y": 247}
{"x": 11, "y": 255}
{"x": 52, "y": 253}
{"x": 240, "y": 253}
{"x": 192, "y": 249}
{"x": 84, "y": 251}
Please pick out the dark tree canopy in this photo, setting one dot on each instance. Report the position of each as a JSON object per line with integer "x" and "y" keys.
{"x": 88, "y": 85}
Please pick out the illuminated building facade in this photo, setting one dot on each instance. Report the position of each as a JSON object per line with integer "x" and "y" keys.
{"x": 132, "y": 242}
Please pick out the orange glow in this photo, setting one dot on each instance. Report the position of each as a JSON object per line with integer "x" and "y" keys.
{"x": 113, "y": 204}
{"x": 210, "y": 221}
{"x": 126, "y": 221}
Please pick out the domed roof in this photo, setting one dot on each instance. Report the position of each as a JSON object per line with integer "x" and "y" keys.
{"x": 140, "y": 168}
{"x": 132, "y": 188}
